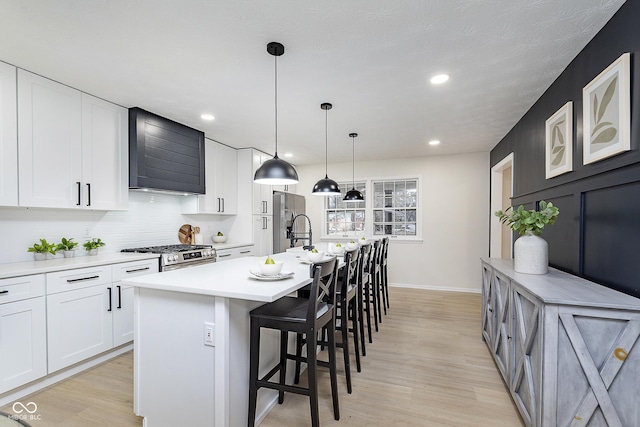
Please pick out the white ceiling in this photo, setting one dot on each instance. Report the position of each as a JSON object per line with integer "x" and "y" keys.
{"x": 372, "y": 59}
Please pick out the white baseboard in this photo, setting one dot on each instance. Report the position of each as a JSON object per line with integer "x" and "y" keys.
{"x": 37, "y": 385}
{"x": 434, "y": 288}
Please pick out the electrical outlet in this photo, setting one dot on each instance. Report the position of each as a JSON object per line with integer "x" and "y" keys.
{"x": 209, "y": 334}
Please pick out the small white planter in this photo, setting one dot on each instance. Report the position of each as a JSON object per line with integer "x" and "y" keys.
{"x": 69, "y": 254}
{"x": 531, "y": 254}
{"x": 93, "y": 251}
{"x": 39, "y": 256}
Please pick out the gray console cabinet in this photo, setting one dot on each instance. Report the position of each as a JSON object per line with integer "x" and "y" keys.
{"x": 567, "y": 349}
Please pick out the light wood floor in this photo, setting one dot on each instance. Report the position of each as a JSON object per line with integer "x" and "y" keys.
{"x": 427, "y": 366}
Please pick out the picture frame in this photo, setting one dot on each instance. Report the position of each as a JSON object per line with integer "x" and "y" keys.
{"x": 606, "y": 112}
{"x": 559, "y": 141}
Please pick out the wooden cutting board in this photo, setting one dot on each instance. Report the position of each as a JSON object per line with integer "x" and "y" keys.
{"x": 184, "y": 234}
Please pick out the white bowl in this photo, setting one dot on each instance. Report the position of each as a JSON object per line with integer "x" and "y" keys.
{"x": 270, "y": 269}
{"x": 315, "y": 256}
{"x": 338, "y": 250}
{"x": 362, "y": 242}
{"x": 351, "y": 246}
{"x": 218, "y": 239}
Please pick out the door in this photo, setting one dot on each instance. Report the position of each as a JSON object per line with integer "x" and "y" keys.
{"x": 23, "y": 333}
{"x": 49, "y": 143}
{"x": 8, "y": 136}
{"x": 79, "y": 325}
{"x": 501, "y": 193}
{"x": 122, "y": 306}
{"x": 105, "y": 155}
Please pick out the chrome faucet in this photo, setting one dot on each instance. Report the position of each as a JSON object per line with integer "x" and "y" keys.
{"x": 294, "y": 237}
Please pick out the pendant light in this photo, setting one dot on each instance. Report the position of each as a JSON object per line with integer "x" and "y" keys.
{"x": 326, "y": 186}
{"x": 353, "y": 195}
{"x": 276, "y": 171}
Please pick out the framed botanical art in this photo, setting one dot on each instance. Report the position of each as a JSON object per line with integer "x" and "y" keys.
{"x": 606, "y": 112}
{"x": 559, "y": 141}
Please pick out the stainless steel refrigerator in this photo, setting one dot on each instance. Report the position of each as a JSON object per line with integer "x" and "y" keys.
{"x": 286, "y": 207}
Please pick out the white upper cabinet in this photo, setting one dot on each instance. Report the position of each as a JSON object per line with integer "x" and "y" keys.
{"x": 73, "y": 148}
{"x": 221, "y": 170}
{"x": 105, "y": 156}
{"x": 8, "y": 136}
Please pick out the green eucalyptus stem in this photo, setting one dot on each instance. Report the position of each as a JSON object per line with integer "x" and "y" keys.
{"x": 523, "y": 221}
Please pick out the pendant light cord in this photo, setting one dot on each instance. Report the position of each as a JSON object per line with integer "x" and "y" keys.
{"x": 275, "y": 60}
{"x": 326, "y": 143}
{"x": 353, "y": 164}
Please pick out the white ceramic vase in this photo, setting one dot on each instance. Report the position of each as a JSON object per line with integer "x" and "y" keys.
{"x": 531, "y": 254}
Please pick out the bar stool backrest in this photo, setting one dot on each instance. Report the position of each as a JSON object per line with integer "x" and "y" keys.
{"x": 350, "y": 271}
{"x": 363, "y": 264}
{"x": 322, "y": 295}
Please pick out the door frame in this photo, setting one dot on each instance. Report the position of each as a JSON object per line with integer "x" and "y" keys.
{"x": 496, "y": 230}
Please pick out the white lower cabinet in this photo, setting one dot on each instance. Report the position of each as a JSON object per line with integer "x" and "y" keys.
{"x": 231, "y": 253}
{"x": 89, "y": 311}
{"x": 568, "y": 349}
{"x": 23, "y": 331}
{"x": 262, "y": 235}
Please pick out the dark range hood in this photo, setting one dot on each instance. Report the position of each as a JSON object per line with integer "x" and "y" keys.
{"x": 164, "y": 155}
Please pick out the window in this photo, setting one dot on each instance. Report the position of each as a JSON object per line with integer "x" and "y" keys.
{"x": 395, "y": 204}
{"x": 345, "y": 219}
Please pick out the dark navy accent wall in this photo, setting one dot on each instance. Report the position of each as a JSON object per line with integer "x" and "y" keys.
{"x": 597, "y": 234}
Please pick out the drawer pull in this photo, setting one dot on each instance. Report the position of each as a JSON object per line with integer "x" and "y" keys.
{"x": 245, "y": 252}
{"x": 224, "y": 255}
{"x": 137, "y": 269}
{"x": 4, "y": 292}
{"x": 81, "y": 279}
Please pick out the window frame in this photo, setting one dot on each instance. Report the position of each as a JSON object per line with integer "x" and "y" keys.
{"x": 369, "y": 211}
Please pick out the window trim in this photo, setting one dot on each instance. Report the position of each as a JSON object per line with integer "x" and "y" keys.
{"x": 368, "y": 216}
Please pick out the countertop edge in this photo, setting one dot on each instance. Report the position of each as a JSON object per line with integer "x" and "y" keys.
{"x": 27, "y": 268}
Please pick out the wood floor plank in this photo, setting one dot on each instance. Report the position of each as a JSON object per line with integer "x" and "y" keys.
{"x": 427, "y": 366}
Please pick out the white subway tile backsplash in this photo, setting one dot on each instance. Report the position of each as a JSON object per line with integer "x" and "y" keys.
{"x": 152, "y": 219}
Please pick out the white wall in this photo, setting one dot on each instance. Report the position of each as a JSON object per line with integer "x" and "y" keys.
{"x": 152, "y": 219}
{"x": 455, "y": 217}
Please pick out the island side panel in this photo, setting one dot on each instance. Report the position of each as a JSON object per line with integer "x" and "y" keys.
{"x": 174, "y": 372}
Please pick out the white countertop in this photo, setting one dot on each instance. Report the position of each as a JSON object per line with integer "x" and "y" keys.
{"x": 16, "y": 269}
{"x": 230, "y": 279}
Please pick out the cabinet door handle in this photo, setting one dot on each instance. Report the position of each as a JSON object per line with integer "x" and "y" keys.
{"x": 119, "y": 297}
{"x": 218, "y": 198}
{"x": 136, "y": 269}
{"x": 109, "y": 299}
{"x": 222, "y": 204}
{"x": 79, "y": 191}
{"x": 4, "y": 292}
{"x": 88, "y": 194}
{"x": 81, "y": 279}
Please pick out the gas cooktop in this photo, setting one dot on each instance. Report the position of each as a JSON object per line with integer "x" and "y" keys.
{"x": 167, "y": 249}
{"x": 179, "y": 256}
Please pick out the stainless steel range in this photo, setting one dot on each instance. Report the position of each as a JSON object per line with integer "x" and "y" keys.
{"x": 173, "y": 257}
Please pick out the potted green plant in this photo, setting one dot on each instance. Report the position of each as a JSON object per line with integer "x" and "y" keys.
{"x": 530, "y": 251}
{"x": 40, "y": 250}
{"x": 67, "y": 246}
{"x": 92, "y": 245}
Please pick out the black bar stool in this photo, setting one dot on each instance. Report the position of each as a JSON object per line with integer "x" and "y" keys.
{"x": 347, "y": 310}
{"x": 364, "y": 304}
{"x": 374, "y": 282}
{"x": 384, "y": 285}
{"x": 301, "y": 316}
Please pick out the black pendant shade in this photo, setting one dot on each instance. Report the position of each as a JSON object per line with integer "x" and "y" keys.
{"x": 276, "y": 171}
{"x": 353, "y": 195}
{"x": 326, "y": 186}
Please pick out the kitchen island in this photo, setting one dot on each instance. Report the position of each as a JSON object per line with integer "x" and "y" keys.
{"x": 191, "y": 346}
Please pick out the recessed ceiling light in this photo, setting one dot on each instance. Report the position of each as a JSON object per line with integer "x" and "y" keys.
{"x": 207, "y": 117}
{"x": 439, "y": 79}
{"x": 288, "y": 155}
{"x": 434, "y": 142}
